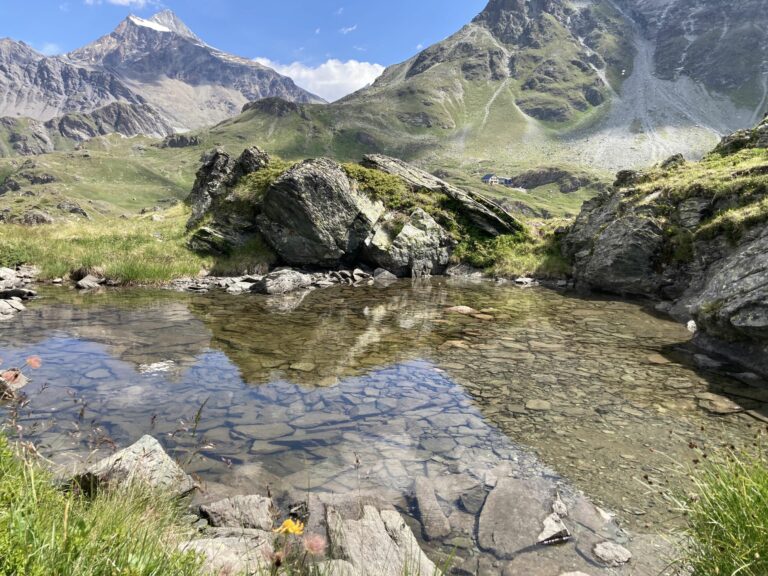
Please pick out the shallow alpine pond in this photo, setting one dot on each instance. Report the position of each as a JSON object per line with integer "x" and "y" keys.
{"x": 360, "y": 392}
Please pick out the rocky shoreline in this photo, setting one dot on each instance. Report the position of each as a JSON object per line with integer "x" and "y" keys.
{"x": 525, "y": 523}
{"x": 691, "y": 237}
{"x": 15, "y": 289}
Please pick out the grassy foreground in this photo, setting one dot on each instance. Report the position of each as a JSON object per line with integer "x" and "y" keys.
{"x": 728, "y": 518}
{"x": 46, "y": 532}
{"x": 137, "y": 250}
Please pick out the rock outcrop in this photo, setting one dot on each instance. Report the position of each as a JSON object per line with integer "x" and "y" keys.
{"x": 484, "y": 213}
{"x": 315, "y": 215}
{"x": 692, "y": 236}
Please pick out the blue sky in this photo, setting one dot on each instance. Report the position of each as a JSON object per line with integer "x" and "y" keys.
{"x": 331, "y": 46}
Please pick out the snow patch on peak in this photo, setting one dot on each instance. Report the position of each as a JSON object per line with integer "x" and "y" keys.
{"x": 148, "y": 24}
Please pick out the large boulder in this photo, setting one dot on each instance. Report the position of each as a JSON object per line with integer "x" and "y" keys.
{"x": 420, "y": 248}
{"x": 483, "y": 212}
{"x": 731, "y": 307}
{"x": 615, "y": 250}
{"x": 145, "y": 461}
{"x": 313, "y": 215}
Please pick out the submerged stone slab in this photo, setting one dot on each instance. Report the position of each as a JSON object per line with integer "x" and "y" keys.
{"x": 433, "y": 518}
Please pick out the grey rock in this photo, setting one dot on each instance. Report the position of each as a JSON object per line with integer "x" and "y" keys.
{"x": 239, "y": 287}
{"x": 312, "y": 215}
{"x": 472, "y": 500}
{"x": 9, "y": 308}
{"x": 383, "y": 277}
{"x": 237, "y": 554}
{"x": 484, "y": 213}
{"x": 500, "y": 529}
{"x": 433, "y": 518}
{"x": 207, "y": 240}
{"x": 90, "y": 282}
{"x": 377, "y": 542}
{"x": 240, "y": 511}
{"x": 251, "y": 160}
{"x": 180, "y": 141}
{"x": 612, "y": 554}
{"x": 211, "y": 183}
{"x": 692, "y": 211}
{"x": 73, "y": 208}
{"x": 553, "y": 531}
{"x": 144, "y": 461}
{"x": 282, "y": 282}
{"x": 36, "y": 218}
{"x": 421, "y": 248}
{"x": 623, "y": 257}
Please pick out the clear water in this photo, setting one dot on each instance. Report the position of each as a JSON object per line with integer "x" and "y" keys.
{"x": 360, "y": 390}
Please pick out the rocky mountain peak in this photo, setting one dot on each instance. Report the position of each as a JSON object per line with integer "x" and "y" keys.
{"x": 170, "y": 20}
{"x": 511, "y": 20}
{"x": 19, "y": 51}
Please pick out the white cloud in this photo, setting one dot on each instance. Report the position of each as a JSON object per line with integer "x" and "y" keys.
{"x": 332, "y": 79}
{"x": 348, "y": 29}
{"x": 50, "y": 49}
{"x": 129, "y": 3}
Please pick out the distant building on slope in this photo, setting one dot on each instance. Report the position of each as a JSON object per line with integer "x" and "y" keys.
{"x": 491, "y": 179}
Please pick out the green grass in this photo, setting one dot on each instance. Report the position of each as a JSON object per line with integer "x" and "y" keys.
{"x": 514, "y": 256}
{"x": 46, "y": 532}
{"x": 130, "y": 251}
{"x": 728, "y": 517}
{"x": 253, "y": 186}
{"x": 736, "y": 184}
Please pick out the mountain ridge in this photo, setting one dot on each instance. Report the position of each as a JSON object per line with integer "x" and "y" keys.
{"x": 539, "y": 82}
{"x": 157, "y": 62}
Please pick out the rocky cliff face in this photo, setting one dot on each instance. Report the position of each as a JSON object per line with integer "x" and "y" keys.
{"x": 41, "y": 88}
{"x": 695, "y": 237}
{"x": 721, "y": 45}
{"x": 157, "y": 65}
{"x": 26, "y": 137}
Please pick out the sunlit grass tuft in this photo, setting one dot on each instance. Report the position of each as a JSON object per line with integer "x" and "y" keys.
{"x": 131, "y": 251}
{"x": 44, "y": 531}
{"x": 728, "y": 516}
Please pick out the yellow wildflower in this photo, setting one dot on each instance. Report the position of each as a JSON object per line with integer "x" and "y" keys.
{"x": 291, "y": 526}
